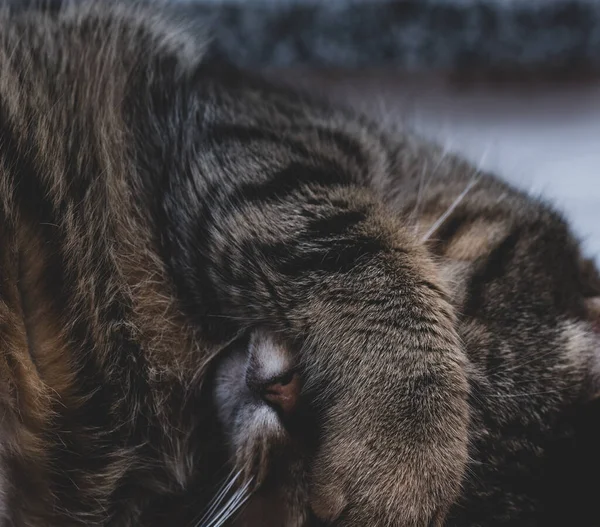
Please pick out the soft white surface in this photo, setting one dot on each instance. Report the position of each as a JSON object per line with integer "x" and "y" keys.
{"x": 545, "y": 139}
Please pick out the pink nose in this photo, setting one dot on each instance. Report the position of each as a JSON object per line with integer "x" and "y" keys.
{"x": 283, "y": 394}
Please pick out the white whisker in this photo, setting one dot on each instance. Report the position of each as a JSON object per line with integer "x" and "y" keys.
{"x": 234, "y": 508}
{"x": 517, "y": 366}
{"x": 450, "y": 209}
{"x": 423, "y": 184}
{"x": 484, "y": 155}
{"x": 213, "y": 506}
{"x": 238, "y": 507}
{"x": 233, "y": 504}
{"x": 524, "y": 394}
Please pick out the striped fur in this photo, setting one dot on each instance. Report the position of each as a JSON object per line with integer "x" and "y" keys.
{"x": 169, "y": 226}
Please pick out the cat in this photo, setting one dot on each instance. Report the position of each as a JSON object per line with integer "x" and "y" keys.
{"x": 223, "y": 302}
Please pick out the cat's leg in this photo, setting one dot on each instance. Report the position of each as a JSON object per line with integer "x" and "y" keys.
{"x": 363, "y": 306}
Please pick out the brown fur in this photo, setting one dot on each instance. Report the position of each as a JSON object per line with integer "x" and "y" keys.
{"x": 159, "y": 213}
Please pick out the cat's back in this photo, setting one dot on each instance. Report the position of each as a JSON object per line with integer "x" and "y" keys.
{"x": 83, "y": 292}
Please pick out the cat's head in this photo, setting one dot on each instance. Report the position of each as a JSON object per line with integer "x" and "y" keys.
{"x": 273, "y": 430}
{"x": 284, "y": 451}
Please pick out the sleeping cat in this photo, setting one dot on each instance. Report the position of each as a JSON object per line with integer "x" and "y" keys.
{"x": 225, "y": 303}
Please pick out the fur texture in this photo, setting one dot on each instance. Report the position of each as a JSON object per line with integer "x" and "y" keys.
{"x": 175, "y": 234}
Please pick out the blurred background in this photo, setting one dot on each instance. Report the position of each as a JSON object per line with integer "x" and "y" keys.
{"x": 514, "y": 85}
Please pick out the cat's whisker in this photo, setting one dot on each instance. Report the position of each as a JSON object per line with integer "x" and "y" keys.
{"x": 439, "y": 222}
{"x": 239, "y": 497}
{"x": 216, "y": 502}
{"x": 484, "y": 155}
{"x": 461, "y": 196}
{"x": 474, "y": 395}
{"x": 523, "y": 394}
{"x": 423, "y": 184}
{"x": 518, "y": 365}
{"x": 233, "y": 509}
{"x": 414, "y": 214}
{"x": 470, "y": 471}
{"x": 237, "y": 508}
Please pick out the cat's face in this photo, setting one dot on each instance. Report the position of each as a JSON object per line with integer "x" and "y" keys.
{"x": 275, "y": 435}
{"x": 258, "y": 394}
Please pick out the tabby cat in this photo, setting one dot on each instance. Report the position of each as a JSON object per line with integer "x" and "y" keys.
{"x": 224, "y": 303}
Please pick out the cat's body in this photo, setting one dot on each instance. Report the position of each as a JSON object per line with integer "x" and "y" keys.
{"x": 156, "y": 209}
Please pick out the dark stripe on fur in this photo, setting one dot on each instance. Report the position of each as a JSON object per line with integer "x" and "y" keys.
{"x": 494, "y": 266}
{"x": 289, "y": 180}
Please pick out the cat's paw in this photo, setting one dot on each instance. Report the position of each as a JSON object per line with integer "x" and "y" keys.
{"x": 394, "y": 418}
{"x": 383, "y": 465}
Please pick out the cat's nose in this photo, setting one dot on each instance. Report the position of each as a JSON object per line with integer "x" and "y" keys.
{"x": 281, "y": 393}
